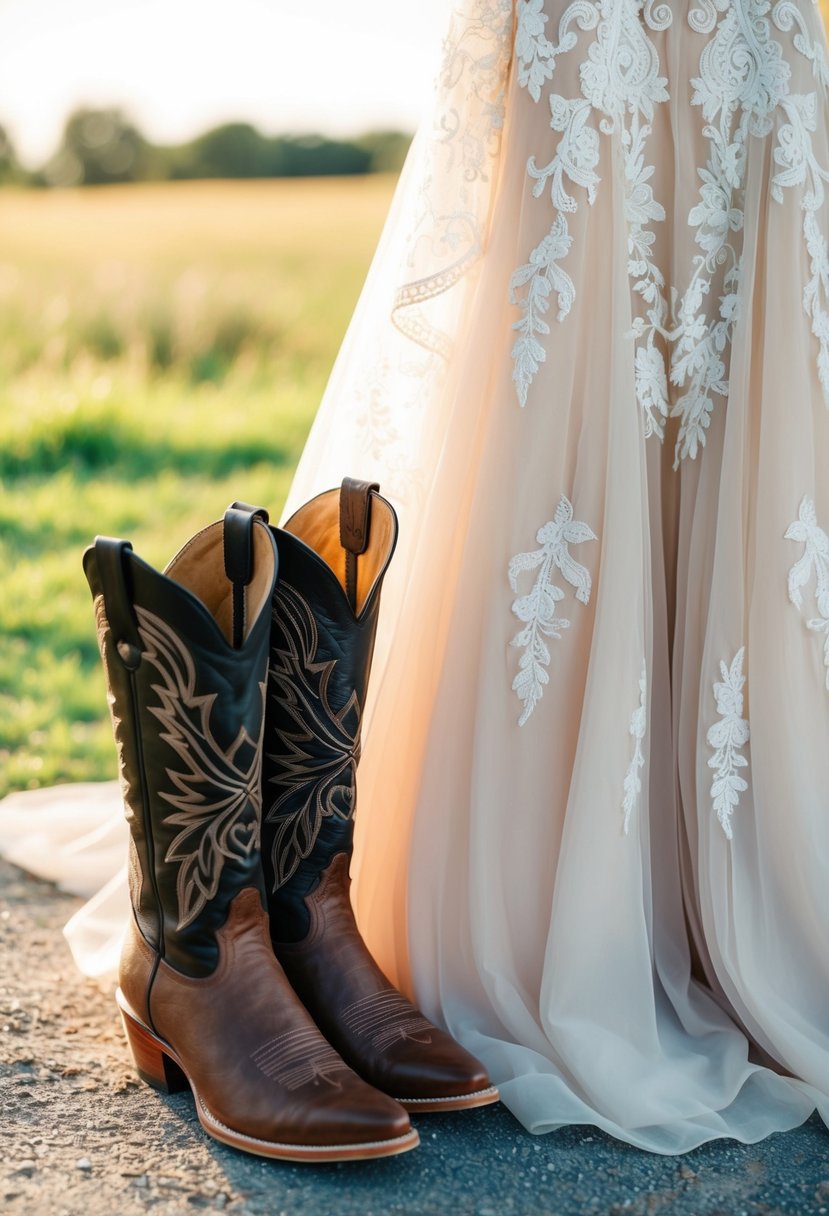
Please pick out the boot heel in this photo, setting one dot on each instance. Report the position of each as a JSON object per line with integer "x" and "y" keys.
{"x": 152, "y": 1063}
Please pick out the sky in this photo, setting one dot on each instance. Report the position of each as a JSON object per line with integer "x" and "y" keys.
{"x": 180, "y": 66}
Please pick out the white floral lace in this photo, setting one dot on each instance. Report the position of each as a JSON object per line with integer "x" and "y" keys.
{"x": 620, "y": 81}
{"x": 814, "y": 561}
{"x": 638, "y": 726}
{"x": 728, "y": 737}
{"x": 447, "y": 236}
{"x": 542, "y": 276}
{"x": 537, "y": 610}
{"x": 742, "y": 78}
{"x": 743, "y": 82}
{"x": 799, "y": 167}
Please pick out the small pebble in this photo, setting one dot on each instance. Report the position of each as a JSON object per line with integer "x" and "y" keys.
{"x": 83, "y": 1164}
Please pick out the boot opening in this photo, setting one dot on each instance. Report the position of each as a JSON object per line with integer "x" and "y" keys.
{"x": 317, "y": 524}
{"x": 199, "y": 567}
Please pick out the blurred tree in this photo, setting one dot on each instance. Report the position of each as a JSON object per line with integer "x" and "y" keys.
{"x": 315, "y": 156}
{"x": 238, "y": 150}
{"x": 235, "y": 149}
{"x": 99, "y": 146}
{"x": 387, "y": 149}
{"x": 10, "y": 169}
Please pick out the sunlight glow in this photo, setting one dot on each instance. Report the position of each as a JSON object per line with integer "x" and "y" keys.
{"x": 179, "y": 66}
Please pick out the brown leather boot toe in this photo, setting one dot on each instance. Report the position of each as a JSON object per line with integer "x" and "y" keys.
{"x": 453, "y": 1079}
{"x": 375, "y": 1029}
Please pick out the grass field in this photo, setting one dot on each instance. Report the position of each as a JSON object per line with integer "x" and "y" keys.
{"x": 162, "y": 351}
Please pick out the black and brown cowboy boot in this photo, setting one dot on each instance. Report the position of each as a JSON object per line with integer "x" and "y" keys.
{"x": 202, "y": 997}
{"x": 334, "y": 553}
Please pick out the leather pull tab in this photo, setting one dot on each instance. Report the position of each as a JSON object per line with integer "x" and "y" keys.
{"x": 355, "y": 526}
{"x": 355, "y": 513}
{"x": 238, "y": 557}
{"x": 111, "y": 559}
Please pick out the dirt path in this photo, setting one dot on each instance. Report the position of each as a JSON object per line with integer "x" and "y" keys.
{"x": 81, "y": 1137}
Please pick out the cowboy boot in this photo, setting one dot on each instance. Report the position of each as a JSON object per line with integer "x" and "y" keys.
{"x": 203, "y": 1000}
{"x": 334, "y": 553}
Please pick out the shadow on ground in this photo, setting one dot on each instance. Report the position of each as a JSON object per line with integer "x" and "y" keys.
{"x": 80, "y": 1135}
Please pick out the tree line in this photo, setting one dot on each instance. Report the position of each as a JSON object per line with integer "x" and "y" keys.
{"x": 104, "y": 146}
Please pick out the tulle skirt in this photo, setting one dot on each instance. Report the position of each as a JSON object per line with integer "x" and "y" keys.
{"x": 590, "y": 368}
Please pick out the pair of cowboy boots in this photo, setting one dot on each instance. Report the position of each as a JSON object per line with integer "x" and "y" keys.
{"x": 237, "y": 679}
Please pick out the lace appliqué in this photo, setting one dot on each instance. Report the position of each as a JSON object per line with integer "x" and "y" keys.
{"x": 742, "y": 79}
{"x": 534, "y": 53}
{"x": 456, "y": 163}
{"x": 638, "y": 727}
{"x": 619, "y": 80}
{"x": 786, "y": 14}
{"x": 217, "y": 794}
{"x": 536, "y": 611}
{"x": 465, "y": 143}
{"x": 729, "y": 736}
{"x": 542, "y": 276}
{"x": 815, "y": 561}
{"x": 799, "y": 167}
{"x": 385, "y": 433}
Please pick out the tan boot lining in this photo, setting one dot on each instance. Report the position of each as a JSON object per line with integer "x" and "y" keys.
{"x": 318, "y": 525}
{"x": 199, "y": 567}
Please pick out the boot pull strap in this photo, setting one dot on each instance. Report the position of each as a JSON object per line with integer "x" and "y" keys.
{"x": 111, "y": 559}
{"x": 238, "y": 555}
{"x": 355, "y": 526}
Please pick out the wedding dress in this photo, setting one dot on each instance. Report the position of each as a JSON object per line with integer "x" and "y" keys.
{"x": 590, "y": 367}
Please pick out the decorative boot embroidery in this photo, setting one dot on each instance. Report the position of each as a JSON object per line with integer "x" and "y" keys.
{"x": 815, "y": 561}
{"x": 537, "y": 610}
{"x": 298, "y": 1058}
{"x": 217, "y": 794}
{"x": 320, "y": 746}
{"x": 638, "y": 727}
{"x": 101, "y": 630}
{"x": 729, "y": 736}
{"x": 386, "y": 1018}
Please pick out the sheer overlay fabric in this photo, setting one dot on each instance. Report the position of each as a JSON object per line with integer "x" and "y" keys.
{"x": 590, "y": 368}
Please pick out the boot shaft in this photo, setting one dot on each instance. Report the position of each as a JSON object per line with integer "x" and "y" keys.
{"x": 334, "y": 553}
{"x": 186, "y": 654}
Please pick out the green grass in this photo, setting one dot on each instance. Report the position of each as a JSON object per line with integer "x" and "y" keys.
{"x": 163, "y": 350}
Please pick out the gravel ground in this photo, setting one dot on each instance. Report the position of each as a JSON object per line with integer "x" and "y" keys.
{"x": 80, "y": 1135}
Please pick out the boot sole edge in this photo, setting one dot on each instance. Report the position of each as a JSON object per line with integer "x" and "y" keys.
{"x": 277, "y": 1150}
{"x": 426, "y": 1106}
{"x": 311, "y": 1153}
